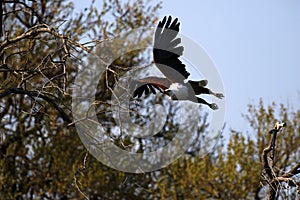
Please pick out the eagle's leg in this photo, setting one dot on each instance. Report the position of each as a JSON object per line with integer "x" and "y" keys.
{"x": 211, "y": 105}
{"x": 201, "y": 83}
{"x": 208, "y": 91}
{"x": 198, "y": 87}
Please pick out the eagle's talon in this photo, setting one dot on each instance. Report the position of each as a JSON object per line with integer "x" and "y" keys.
{"x": 214, "y": 106}
{"x": 219, "y": 95}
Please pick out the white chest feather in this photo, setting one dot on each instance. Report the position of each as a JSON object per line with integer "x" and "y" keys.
{"x": 179, "y": 90}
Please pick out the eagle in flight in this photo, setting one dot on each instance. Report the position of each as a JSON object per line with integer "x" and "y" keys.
{"x": 166, "y": 53}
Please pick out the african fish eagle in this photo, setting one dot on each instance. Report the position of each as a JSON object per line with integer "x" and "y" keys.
{"x": 166, "y": 53}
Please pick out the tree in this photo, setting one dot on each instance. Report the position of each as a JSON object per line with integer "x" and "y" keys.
{"x": 41, "y": 55}
{"x": 237, "y": 170}
{"x": 41, "y": 154}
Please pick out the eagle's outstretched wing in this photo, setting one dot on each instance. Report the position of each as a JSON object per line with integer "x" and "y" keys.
{"x": 167, "y": 50}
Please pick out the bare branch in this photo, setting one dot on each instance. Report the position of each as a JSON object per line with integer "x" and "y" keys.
{"x": 42, "y": 28}
{"x": 295, "y": 170}
{"x": 265, "y": 161}
{"x": 52, "y": 102}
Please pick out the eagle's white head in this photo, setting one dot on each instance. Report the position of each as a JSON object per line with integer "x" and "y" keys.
{"x": 178, "y": 91}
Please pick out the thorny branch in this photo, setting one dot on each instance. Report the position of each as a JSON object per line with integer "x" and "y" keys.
{"x": 30, "y": 33}
{"x": 43, "y": 28}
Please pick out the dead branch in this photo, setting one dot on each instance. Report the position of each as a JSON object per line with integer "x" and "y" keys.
{"x": 274, "y": 180}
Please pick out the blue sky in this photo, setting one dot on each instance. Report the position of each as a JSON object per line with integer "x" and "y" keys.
{"x": 255, "y": 46}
